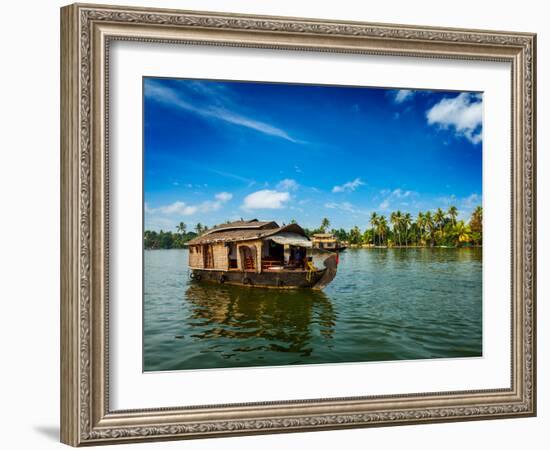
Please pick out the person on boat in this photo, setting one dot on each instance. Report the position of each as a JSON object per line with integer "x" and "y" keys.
{"x": 300, "y": 258}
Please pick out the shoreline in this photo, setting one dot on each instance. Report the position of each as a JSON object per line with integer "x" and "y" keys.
{"x": 369, "y": 247}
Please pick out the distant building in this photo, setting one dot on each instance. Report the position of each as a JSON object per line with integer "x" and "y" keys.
{"x": 327, "y": 241}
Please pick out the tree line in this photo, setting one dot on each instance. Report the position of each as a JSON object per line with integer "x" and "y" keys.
{"x": 427, "y": 229}
{"x": 167, "y": 239}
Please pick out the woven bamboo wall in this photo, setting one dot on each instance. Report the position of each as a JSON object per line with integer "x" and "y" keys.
{"x": 195, "y": 257}
{"x": 221, "y": 256}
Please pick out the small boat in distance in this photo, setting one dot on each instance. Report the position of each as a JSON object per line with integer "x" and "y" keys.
{"x": 328, "y": 242}
{"x": 261, "y": 254}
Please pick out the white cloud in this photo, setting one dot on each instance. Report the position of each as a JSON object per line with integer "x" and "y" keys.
{"x": 287, "y": 184}
{"x": 179, "y": 208}
{"x": 398, "y": 193}
{"x": 344, "y": 206}
{"x": 349, "y": 186}
{"x": 463, "y": 113}
{"x": 173, "y": 97}
{"x": 465, "y": 205}
{"x": 266, "y": 199}
{"x": 390, "y": 197}
{"x": 471, "y": 201}
{"x": 224, "y": 196}
{"x": 160, "y": 223}
{"x": 403, "y": 95}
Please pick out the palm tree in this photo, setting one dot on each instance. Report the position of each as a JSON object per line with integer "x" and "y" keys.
{"x": 453, "y": 213}
{"x": 199, "y": 228}
{"x": 355, "y": 235}
{"x": 439, "y": 218}
{"x": 439, "y": 221}
{"x": 325, "y": 223}
{"x": 478, "y": 212}
{"x": 395, "y": 220}
{"x": 382, "y": 226}
{"x": 476, "y": 225}
{"x": 461, "y": 233}
{"x": 407, "y": 221}
{"x": 182, "y": 228}
{"x": 429, "y": 224}
{"x": 374, "y": 224}
{"x": 420, "y": 225}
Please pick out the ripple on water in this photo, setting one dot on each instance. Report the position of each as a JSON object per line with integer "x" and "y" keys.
{"x": 384, "y": 304}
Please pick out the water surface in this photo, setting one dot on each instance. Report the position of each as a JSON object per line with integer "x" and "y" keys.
{"x": 384, "y": 304}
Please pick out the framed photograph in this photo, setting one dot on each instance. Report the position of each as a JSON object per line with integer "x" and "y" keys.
{"x": 277, "y": 224}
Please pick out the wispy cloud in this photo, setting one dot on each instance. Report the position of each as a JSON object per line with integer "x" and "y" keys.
{"x": 210, "y": 109}
{"x": 344, "y": 206}
{"x": 288, "y": 184}
{"x": 266, "y": 199}
{"x": 465, "y": 205}
{"x": 463, "y": 113}
{"x": 224, "y": 196}
{"x": 160, "y": 223}
{"x": 349, "y": 186}
{"x": 180, "y": 208}
{"x": 399, "y": 193}
{"x": 472, "y": 201}
{"x": 402, "y": 95}
{"x": 392, "y": 196}
{"x": 230, "y": 175}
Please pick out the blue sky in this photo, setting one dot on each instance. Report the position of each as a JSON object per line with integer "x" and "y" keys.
{"x": 222, "y": 150}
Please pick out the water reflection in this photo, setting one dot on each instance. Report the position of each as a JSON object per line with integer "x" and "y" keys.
{"x": 383, "y": 305}
{"x": 259, "y": 319}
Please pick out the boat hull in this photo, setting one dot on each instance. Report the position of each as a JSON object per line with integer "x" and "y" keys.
{"x": 284, "y": 279}
{"x": 271, "y": 279}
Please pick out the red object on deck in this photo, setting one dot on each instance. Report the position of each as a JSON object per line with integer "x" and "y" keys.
{"x": 337, "y": 258}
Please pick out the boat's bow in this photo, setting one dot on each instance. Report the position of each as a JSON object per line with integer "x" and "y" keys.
{"x": 331, "y": 266}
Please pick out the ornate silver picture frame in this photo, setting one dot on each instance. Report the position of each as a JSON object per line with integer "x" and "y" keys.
{"x": 87, "y": 32}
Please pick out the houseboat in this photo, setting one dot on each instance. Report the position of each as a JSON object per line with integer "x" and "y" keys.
{"x": 327, "y": 241}
{"x": 260, "y": 254}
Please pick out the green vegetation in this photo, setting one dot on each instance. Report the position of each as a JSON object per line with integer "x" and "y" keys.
{"x": 438, "y": 229}
{"x": 167, "y": 239}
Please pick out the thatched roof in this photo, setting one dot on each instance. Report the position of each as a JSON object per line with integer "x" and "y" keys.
{"x": 244, "y": 231}
{"x": 253, "y": 224}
